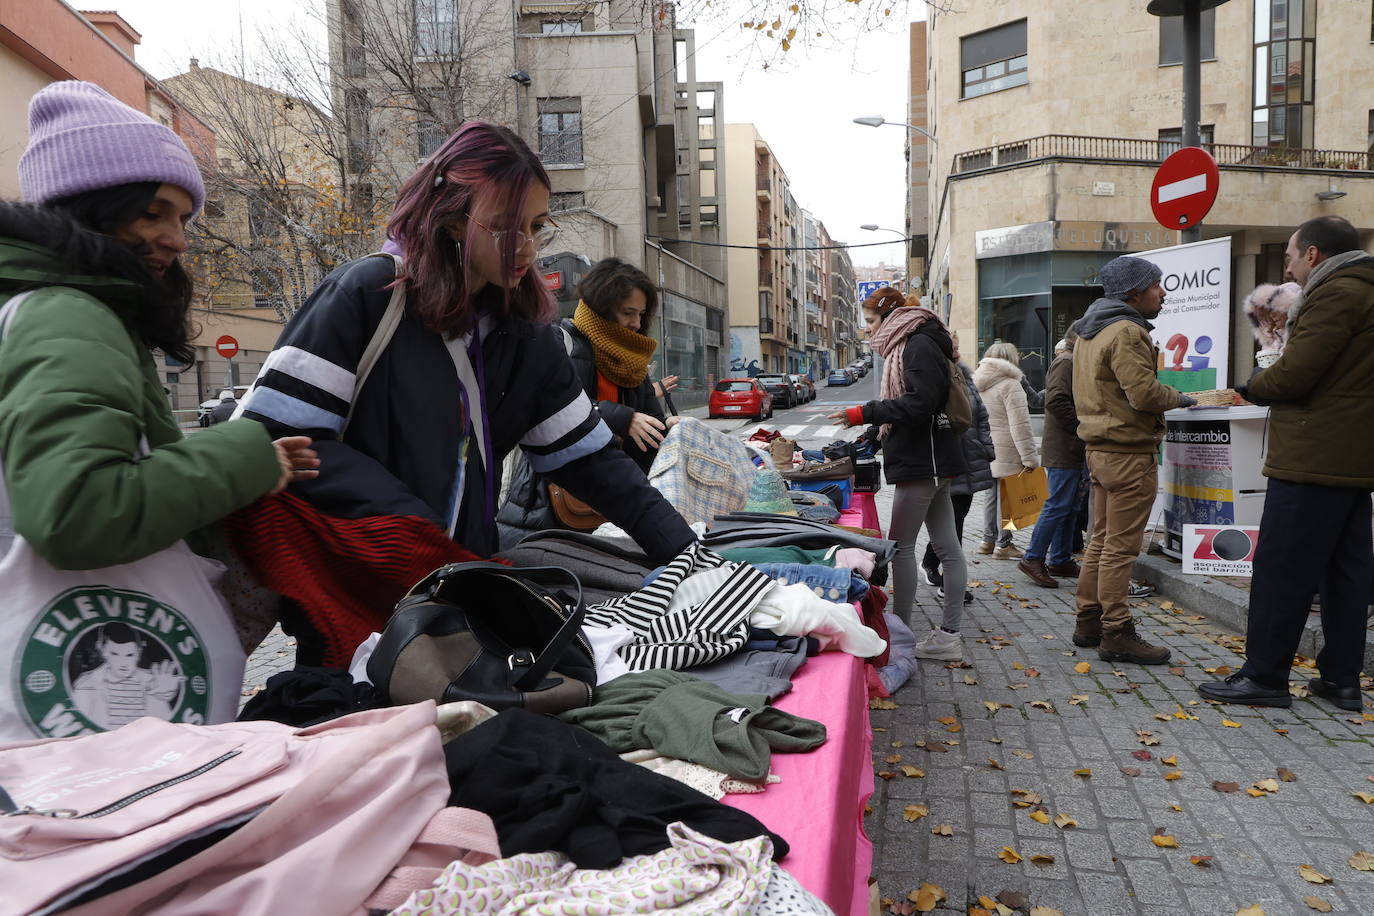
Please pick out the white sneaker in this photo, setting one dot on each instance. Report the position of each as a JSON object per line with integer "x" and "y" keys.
{"x": 941, "y": 645}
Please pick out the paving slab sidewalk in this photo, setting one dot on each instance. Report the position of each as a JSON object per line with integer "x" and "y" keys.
{"x": 1026, "y": 715}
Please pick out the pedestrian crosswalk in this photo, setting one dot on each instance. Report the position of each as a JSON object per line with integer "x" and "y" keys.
{"x": 805, "y": 434}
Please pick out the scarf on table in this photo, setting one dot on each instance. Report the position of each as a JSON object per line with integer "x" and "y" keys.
{"x": 890, "y": 340}
{"x": 621, "y": 354}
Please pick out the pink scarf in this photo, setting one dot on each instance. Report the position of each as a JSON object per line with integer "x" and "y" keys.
{"x": 890, "y": 340}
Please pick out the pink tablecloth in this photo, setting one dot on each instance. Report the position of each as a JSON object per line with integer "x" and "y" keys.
{"x": 862, "y": 512}
{"x": 818, "y": 806}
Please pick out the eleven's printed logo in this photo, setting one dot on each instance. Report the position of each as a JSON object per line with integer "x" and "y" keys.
{"x": 1233, "y": 545}
{"x": 97, "y": 658}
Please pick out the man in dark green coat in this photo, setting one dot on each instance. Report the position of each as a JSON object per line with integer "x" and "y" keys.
{"x": 1315, "y": 531}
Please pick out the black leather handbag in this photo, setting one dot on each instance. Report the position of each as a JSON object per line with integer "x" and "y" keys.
{"x": 499, "y": 635}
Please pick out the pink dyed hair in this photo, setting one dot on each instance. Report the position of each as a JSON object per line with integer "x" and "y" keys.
{"x": 478, "y": 163}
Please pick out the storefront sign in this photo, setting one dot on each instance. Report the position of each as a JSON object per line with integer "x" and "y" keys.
{"x": 1069, "y": 235}
{"x": 1193, "y": 332}
{"x": 1227, "y": 550}
{"x": 553, "y": 281}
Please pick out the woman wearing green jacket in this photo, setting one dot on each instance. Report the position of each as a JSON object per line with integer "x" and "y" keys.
{"x": 96, "y": 471}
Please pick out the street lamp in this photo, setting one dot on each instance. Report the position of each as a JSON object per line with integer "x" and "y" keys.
{"x": 875, "y": 121}
{"x": 874, "y": 227}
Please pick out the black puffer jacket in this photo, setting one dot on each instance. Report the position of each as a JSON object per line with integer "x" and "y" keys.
{"x": 526, "y": 509}
{"x": 922, "y": 444}
{"x": 977, "y": 445}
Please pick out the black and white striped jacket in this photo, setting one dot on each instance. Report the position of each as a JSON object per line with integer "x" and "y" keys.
{"x": 400, "y": 453}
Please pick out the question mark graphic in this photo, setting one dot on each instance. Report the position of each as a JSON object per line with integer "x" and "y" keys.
{"x": 1179, "y": 344}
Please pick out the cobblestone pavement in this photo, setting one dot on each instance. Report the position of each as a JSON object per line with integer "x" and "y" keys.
{"x": 1025, "y": 721}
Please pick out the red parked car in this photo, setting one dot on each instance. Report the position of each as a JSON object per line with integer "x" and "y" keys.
{"x": 740, "y": 397}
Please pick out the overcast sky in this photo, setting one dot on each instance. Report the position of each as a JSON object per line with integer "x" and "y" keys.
{"x": 845, "y": 174}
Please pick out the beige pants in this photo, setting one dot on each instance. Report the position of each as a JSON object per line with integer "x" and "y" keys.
{"x": 1123, "y": 492}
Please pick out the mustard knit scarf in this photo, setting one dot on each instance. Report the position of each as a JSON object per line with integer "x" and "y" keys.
{"x": 622, "y": 355}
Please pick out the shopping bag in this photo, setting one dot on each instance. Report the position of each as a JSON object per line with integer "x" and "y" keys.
{"x": 1021, "y": 498}
{"x": 91, "y": 650}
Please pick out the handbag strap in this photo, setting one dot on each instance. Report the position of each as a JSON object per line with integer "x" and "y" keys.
{"x": 545, "y": 576}
{"x": 386, "y": 329}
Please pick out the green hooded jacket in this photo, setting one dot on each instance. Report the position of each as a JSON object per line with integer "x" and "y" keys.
{"x": 78, "y": 394}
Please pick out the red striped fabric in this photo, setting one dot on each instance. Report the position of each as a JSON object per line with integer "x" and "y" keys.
{"x": 346, "y": 574}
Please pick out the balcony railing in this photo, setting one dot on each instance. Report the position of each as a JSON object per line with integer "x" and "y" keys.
{"x": 1120, "y": 149}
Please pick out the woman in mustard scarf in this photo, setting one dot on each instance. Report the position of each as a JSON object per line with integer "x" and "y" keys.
{"x": 611, "y": 355}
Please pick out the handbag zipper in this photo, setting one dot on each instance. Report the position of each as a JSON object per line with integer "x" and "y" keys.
{"x": 130, "y": 799}
{"x": 558, "y": 609}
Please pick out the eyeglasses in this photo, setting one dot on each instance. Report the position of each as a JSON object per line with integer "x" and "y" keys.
{"x": 541, "y": 239}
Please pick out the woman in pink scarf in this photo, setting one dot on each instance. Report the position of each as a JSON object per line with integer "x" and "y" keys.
{"x": 921, "y": 453}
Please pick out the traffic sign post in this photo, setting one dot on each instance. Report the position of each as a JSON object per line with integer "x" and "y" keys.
{"x": 227, "y": 347}
{"x": 1184, "y": 189}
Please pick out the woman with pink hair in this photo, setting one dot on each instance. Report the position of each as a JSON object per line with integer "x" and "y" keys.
{"x": 414, "y": 447}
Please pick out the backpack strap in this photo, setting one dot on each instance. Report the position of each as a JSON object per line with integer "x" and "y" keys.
{"x": 386, "y": 329}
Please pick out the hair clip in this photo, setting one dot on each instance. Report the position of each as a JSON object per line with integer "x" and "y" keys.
{"x": 438, "y": 179}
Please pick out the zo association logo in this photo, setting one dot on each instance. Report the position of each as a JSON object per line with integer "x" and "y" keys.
{"x": 97, "y": 658}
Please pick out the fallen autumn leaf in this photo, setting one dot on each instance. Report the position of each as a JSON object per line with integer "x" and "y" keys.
{"x": 1009, "y": 855}
{"x": 1318, "y": 904}
{"x": 1312, "y": 876}
{"x": 1083, "y": 667}
{"x": 1201, "y": 861}
{"x": 1361, "y": 861}
{"x": 1164, "y": 841}
{"x": 913, "y": 813}
{"x": 1064, "y": 821}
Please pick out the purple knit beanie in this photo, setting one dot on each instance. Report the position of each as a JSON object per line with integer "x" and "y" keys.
{"x": 81, "y": 138}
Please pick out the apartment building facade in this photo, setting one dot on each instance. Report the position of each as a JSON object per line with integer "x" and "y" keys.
{"x": 760, "y": 271}
{"x": 1052, "y": 119}
{"x": 604, "y": 91}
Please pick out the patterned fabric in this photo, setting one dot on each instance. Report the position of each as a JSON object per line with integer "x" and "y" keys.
{"x": 345, "y": 574}
{"x": 786, "y": 897}
{"x": 702, "y": 471}
{"x": 696, "y": 875}
{"x": 676, "y": 633}
{"x": 621, "y": 353}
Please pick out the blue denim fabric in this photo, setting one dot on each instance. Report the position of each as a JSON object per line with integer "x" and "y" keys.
{"x": 833, "y": 583}
{"x": 1054, "y": 529}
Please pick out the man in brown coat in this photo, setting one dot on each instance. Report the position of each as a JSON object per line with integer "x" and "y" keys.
{"x": 1315, "y": 531}
{"x": 1050, "y": 552}
{"x": 1121, "y": 405}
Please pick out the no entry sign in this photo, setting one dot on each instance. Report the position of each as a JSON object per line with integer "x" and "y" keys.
{"x": 227, "y": 347}
{"x": 1184, "y": 189}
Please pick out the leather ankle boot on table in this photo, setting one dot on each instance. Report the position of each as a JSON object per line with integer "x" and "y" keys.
{"x": 1344, "y": 697}
{"x": 1035, "y": 569}
{"x": 1238, "y": 688}
{"x": 1067, "y": 570}
{"x": 1125, "y": 645}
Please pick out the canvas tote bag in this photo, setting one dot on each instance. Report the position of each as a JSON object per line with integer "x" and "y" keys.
{"x": 1021, "y": 497}
{"x": 85, "y": 651}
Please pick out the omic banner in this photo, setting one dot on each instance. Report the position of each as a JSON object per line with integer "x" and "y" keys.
{"x": 1193, "y": 332}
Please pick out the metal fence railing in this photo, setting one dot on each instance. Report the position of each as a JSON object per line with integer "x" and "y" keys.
{"x": 1122, "y": 149}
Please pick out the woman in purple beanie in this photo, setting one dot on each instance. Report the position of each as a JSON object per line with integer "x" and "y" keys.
{"x": 97, "y": 473}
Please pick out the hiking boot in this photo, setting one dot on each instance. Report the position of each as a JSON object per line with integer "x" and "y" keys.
{"x": 1009, "y": 552}
{"x": 986, "y": 547}
{"x": 942, "y": 646}
{"x": 1066, "y": 570}
{"x": 1035, "y": 569}
{"x": 1087, "y": 633}
{"x": 1125, "y": 645}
